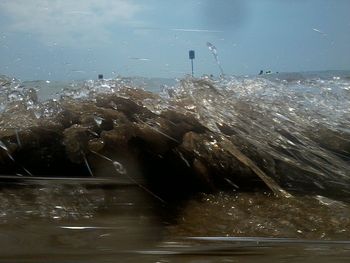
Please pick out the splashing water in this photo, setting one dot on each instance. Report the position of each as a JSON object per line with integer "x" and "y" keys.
{"x": 119, "y": 168}
{"x": 4, "y": 147}
{"x": 298, "y": 126}
{"x": 88, "y": 165}
{"x": 292, "y": 130}
{"x": 214, "y": 51}
{"x": 122, "y": 171}
{"x": 292, "y": 123}
{"x": 98, "y": 120}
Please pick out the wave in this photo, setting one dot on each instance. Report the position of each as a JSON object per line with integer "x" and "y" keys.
{"x": 242, "y": 133}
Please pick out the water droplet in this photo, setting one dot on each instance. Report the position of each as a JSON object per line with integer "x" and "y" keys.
{"x": 113, "y": 105}
{"x": 18, "y": 139}
{"x": 119, "y": 167}
{"x": 37, "y": 114}
{"x": 3, "y": 146}
{"x": 15, "y": 96}
{"x": 98, "y": 120}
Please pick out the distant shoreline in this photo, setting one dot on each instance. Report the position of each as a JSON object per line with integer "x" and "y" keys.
{"x": 173, "y": 80}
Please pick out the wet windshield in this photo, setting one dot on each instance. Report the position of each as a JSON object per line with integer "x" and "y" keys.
{"x": 174, "y": 131}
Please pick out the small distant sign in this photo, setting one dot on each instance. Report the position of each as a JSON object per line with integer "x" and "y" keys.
{"x": 191, "y": 54}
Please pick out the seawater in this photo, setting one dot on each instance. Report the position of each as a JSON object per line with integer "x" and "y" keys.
{"x": 300, "y": 121}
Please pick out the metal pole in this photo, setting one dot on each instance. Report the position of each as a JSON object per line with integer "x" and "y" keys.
{"x": 192, "y": 66}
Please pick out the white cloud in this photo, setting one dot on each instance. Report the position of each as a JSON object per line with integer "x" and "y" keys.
{"x": 69, "y": 22}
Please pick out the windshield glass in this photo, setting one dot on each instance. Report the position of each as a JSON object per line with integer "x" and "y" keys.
{"x": 174, "y": 131}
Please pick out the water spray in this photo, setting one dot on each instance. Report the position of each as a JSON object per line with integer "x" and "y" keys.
{"x": 214, "y": 51}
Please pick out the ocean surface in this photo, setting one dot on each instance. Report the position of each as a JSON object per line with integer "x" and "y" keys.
{"x": 292, "y": 129}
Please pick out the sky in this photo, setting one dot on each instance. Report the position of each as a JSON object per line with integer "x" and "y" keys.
{"x": 67, "y": 40}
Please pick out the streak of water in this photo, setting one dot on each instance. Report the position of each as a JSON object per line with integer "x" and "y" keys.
{"x": 295, "y": 126}
{"x": 214, "y": 51}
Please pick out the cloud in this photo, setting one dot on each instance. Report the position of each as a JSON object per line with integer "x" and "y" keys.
{"x": 224, "y": 14}
{"x": 69, "y": 22}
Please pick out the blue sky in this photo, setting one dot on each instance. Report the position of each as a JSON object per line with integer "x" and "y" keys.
{"x": 65, "y": 39}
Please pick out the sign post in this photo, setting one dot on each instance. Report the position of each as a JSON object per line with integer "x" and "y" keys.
{"x": 191, "y": 55}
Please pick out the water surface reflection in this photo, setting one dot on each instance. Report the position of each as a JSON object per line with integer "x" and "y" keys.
{"x": 94, "y": 222}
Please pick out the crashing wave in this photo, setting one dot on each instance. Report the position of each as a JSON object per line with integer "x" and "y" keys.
{"x": 201, "y": 135}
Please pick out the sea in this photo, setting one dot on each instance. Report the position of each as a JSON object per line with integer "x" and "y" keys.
{"x": 294, "y": 128}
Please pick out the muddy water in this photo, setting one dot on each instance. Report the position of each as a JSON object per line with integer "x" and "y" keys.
{"x": 264, "y": 215}
{"x": 294, "y": 132}
{"x": 65, "y": 221}
{"x": 60, "y": 221}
